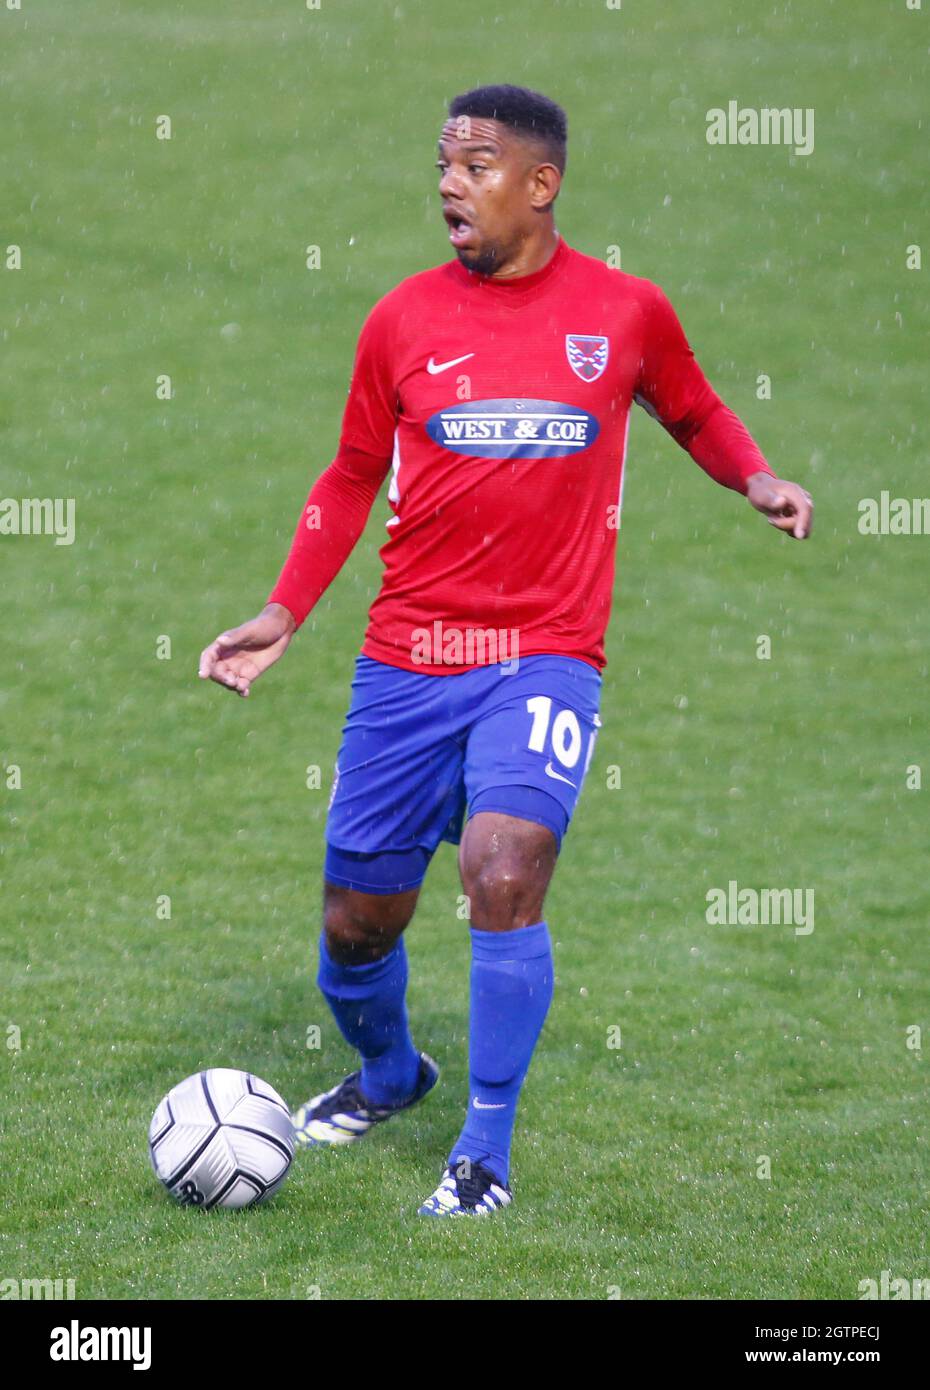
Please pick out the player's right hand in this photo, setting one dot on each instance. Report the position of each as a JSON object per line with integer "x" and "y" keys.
{"x": 238, "y": 657}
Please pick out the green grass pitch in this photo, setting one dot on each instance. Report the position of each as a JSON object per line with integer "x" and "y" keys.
{"x": 635, "y": 1167}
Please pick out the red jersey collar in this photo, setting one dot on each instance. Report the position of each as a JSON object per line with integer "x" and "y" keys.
{"x": 516, "y": 283}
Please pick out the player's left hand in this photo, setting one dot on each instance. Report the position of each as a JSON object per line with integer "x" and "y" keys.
{"x": 787, "y": 505}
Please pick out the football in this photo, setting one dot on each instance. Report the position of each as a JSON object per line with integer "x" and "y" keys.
{"x": 221, "y": 1138}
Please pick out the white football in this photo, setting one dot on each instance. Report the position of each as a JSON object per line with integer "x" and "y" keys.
{"x": 221, "y": 1138}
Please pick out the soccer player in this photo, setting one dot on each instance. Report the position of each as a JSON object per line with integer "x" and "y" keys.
{"x": 496, "y": 390}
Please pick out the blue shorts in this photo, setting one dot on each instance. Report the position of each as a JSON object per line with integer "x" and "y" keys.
{"x": 418, "y": 751}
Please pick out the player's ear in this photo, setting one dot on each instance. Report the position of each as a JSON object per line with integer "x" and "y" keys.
{"x": 546, "y": 184}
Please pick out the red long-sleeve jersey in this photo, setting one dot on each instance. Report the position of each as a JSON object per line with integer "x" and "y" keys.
{"x": 501, "y": 409}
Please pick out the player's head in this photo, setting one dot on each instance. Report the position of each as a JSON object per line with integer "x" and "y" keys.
{"x": 501, "y": 161}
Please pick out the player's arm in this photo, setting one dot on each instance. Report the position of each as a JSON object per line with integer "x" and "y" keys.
{"x": 673, "y": 388}
{"x": 331, "y": 522}
{"x": 329, "y": 526}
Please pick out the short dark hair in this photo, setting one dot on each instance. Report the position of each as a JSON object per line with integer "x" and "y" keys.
{"x": 528, "y": 113}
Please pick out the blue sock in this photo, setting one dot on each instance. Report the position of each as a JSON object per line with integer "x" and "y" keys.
{"x": 511, "y": 989}
{"x": 368, "y": 1004}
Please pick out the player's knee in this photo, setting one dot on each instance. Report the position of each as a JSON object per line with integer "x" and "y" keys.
{"x": 506, "y": 866}
{"x": 503, "y": 894}
{"x": 363, "y": 927}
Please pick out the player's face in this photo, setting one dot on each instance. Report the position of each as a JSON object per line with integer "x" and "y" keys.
{"x": 490, "y": 189}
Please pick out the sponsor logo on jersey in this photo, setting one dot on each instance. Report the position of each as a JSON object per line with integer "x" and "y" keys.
{"x": 513, "y": 429}
{"x": 587, "y": 356}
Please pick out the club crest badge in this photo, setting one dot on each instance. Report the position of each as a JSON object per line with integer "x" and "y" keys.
{"x": 587, "y": 356}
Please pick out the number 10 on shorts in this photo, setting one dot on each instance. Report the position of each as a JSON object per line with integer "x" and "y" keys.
{"x": 566, "y": 738}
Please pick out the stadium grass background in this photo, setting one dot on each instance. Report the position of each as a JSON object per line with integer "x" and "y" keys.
{"x": 635, "y": 1168}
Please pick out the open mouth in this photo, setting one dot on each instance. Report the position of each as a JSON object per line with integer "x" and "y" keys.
{"x": 460, "y": 229}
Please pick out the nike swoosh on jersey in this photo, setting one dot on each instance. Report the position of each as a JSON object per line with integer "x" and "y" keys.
{"x": 434, "y": 368}
{"x": 551, "y": 772}
{"x": 480, "y": 1106}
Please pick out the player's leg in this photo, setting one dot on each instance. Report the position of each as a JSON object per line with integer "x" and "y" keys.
{"x": 506, "y": 864}
{"x": 397, "y": 777}
{"x": 363, "y": 977}
{"x": 526, "y": 758}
